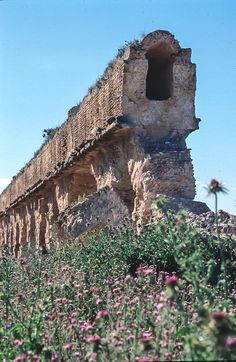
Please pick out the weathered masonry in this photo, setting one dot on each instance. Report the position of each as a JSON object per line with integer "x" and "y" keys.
{"x": 118, "y": 150}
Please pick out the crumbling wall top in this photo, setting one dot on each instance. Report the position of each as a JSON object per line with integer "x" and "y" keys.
{"x": 151, "y": 86}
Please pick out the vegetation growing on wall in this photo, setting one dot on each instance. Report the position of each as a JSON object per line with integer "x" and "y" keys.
{"x": 136, "y": 44}
{"x": 49, "y": 133}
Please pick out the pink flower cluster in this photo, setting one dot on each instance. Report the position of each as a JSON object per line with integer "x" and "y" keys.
{"x": 171, "y": 281}
{"x": 102, "y": 314}
{"x": 144, "y": 270}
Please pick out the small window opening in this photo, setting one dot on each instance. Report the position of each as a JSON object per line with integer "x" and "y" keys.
{"x": 160, "y": 73}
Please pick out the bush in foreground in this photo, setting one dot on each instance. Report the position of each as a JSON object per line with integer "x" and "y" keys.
{"x": 122, "y": 297}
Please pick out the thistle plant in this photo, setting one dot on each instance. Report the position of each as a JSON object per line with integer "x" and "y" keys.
{"x": 119, "y": 296}
{"x": 214, "y": 188}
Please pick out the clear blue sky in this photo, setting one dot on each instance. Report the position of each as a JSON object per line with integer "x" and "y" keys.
{"x": 51, "y": 51}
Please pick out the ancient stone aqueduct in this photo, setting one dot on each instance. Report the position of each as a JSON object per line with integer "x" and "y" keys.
{"x": 116, "y": 152}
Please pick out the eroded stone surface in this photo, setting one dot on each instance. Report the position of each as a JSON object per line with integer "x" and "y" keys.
{"x": 99, "y": 209}
{"x": 127, "y": 137}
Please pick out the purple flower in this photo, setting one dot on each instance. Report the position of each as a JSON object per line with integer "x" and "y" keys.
{"x": 230, "y": 342}
{"x": 22, "y": 357}
{"x": 102, "y": 314}
{"x": 144, "y": 270}
{"x": 143, "y": 359}
{"x": 93, "y": 339}
{"x": 18, "y": 342}
{"x": 86, "y": 326}
{"x": 149, "y": 271}
{"x": 171, "y": 281}
{"x": 168, "y": 356}
{"x": 146, "y": 337}
{"x": 218, "y": 316}
{"x": 215, "y": 186}
{"x": 20, "y": 295}
{"x": 68, "y": 346}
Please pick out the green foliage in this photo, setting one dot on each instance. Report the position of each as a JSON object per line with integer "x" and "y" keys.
{"x": 119, "y": 296}
{"x": 135, "y": 44}
{"x": 49, "y": 133}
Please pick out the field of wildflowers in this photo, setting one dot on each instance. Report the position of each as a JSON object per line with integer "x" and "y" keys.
{"x": 159, "y": 296}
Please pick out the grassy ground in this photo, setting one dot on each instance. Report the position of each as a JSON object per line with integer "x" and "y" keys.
{"x": 164, "y": 295}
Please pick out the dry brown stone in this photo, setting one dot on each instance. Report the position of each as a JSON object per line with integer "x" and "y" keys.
{"x": 119, "y": 149}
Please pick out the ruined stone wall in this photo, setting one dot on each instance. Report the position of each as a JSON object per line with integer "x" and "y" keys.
{"x": 169, "y": 119}
{"x": 124, "y": 145}
{"x": 71, "y": 222}
{"x": 83, "y": 124}
{"x": 29, "y": 222}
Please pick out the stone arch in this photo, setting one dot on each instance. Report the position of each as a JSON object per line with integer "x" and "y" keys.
{"x": 17, "y": 243}
{"x": 160, "y": 49}
{"x": 110, "y": 168}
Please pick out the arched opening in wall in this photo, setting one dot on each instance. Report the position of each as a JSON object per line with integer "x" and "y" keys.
{"x": 17, "y": 244}
{"x": 82, "y": 184}
{"x": 159, "y": 79}
{"x": 126, "y": 192}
